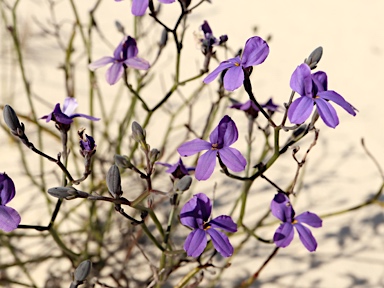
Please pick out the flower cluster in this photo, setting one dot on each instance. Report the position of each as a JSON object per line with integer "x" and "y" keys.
{"x": 195, "y": 214}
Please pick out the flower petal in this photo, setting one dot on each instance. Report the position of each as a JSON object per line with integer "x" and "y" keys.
{"x": 205, "y": 165}
{"x": 283, "y": 235}
{"x": 203, "y": 204}
{"x": 221, "y": 242}
{"x": 69, "y": 106}
{"x": 225, "y": 134}
{"x": 306, "y": 237}
{"x": 256, "y": 50}
{"x": 85, "y": 116}
{"x": 233, "y": 159}
{"x": 100, "y": 63}
{"x": 300, "y": 110}
{"x": 234, "y": 78}
{"x": 338, "y": 99}
{"x": 320, "y": 79}
{"x": 166, "y": 1}
{"x": 191, "y": 215}
{"x": 310, "y": 218}
{"x": 9, "y": 219}
{"x": 192, "y": 147}
{"x": 59, "y": 116}
{"x": 114, "y": 73}
{"x": 212, "y": 76}
{"x": 7, "y": 189}
{"x": 137, "y": 63}
{"x": 224, "y": 222}
{"x": 327, "y": 113}
{"x": 281, "y": 208}
{"x": 301, "y": 80}
{"x": 139, "y": 7}
{"x": 195, "y": 243}
{"x": 130, "y": 48}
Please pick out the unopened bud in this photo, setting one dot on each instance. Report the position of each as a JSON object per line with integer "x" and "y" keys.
{"x": 119, "y": 27}
{"x": 114, "y": 181}
{"x": 184, "y": 183}
{"x": 164, "y": 38}
{"x": 123, "y": 162}
{"x": 154, "y": 155}
{"x": 82, "y": 271}
{"x": 314, "y": 57}
{"x": 63, "y": 192}
{"x": 138, "y": 133}
{"x": 12, "y": 121}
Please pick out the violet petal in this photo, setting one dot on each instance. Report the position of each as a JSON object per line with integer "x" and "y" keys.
{"x": 300, "y": 110}
{"x": 205, "y": 165}
{"x": 306, "y": 237}
{"x": 221, "y": 242}
{"x": 283, "y": 235}
{"x": 194, "y": 146}
{"x": 233, "y": 159}
{"x": 224, "y": 222}
{"x": 195, "y": 243}
{"x": 310, "y": 219}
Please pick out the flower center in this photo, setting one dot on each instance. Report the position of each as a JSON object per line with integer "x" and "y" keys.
{"x": 215, "y": 146}
{"x": 207, "y": 226}
{"x": 237, "y": 64}
{"x": 294, "y": 221}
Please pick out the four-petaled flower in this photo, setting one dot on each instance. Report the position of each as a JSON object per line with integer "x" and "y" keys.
{"x": 282, "y": 209}
{"x": 223, "y": 136}
{"x": 255, "y": 52}
{"x": 140, "y": 6}
{"x": 178, "y": 170}
{"x": 65, "y": 117}
{"x": 125, "y": 54}
{"x": 313, "y": 89}
{"x": 9, "y": 217}
{"x": 195, "y": 214}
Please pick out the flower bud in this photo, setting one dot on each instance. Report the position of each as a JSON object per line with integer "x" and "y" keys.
{"x": 123, "y": 162}
{"x": 63, "y": 192}
{"x": 184, "y": 183}
{"x": 154, "y": 155}
{"x": 314, "y": 58}
{"x": 114, "y": 181}
{"x": 120, "y": 27}
{"x": 82, "y": 271}
{"x": 164, "y": 38}
{"x": 12, "y": 121}
{"x": 138, "y": 133}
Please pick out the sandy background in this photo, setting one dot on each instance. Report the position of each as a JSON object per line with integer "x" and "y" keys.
{"x": 339, "y": 175}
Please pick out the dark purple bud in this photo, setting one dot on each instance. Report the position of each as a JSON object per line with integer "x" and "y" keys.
{"x": 314, "y": 58}
{"x": 114, "y": 182}
{"x": 223, "y": 39}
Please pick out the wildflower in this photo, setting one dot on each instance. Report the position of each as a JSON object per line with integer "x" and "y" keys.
{"x": 224, "y": 135}
{"x": 195, "y": 214}
{"x": 87, "y": 144}
{"x": 313, "y": 89}
{"x": 255, "y": 52}
{"x": 9, "y": 217}
{"x": 125, "y": 54}
{"x": 250, "y": 108}
{"x": 178, "y": 170}
{"x": 282, "y": 209}
{"x": 66, "y": 116}
{"x": 140, "y": 6}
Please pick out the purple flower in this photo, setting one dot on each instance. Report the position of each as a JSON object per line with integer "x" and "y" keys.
{"x": 9, "y": 217}
{"x": 140, "y": 6}
{"x": 282, "y": 209}
{"x": 313, "y": 89}
{"x": 195, "y": 214}
{"x": 66, "y": 116}
{"x": 87, "y": 145}
{"x": 223, "y": 136}
{"x": 178, "y": 170}
{"x": 250, "y": 108}
{"x": 209, "y": 40}
{"x": 255, "y": 52}
{"x": 124, "y": 54}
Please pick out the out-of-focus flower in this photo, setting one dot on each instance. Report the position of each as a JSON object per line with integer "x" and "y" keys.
{"x": 255, "y": 52}
{"x": 313, "y": 89}
{"x": 223, "y": 136}
{"x": 66, "y": 116}
{"x": 209, "y": 40}
{"x": 140, "y": 6}
{"x": 125, "y": 54}
{"x": 195, "y": 214}
{"x": 282, "y": 209}
{"x": 87, "y": 145}
{"x": 178, "y": 170}
{"x": 9, "y": 217}
{"x": 250, "y": 108}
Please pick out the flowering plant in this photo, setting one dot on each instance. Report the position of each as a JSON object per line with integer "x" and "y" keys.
{"x": 168, "y": 176}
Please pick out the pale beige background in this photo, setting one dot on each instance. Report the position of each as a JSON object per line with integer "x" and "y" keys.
{"x": 339, "y": 175}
